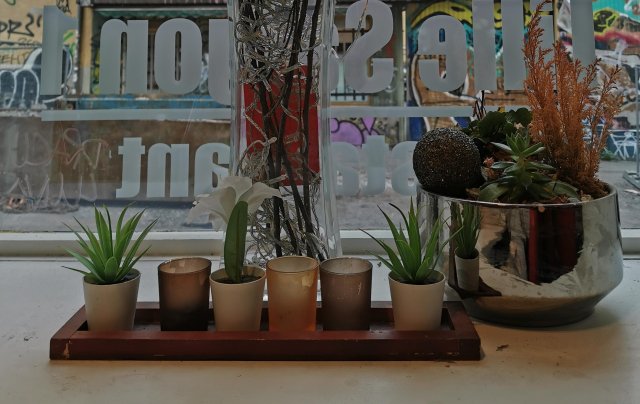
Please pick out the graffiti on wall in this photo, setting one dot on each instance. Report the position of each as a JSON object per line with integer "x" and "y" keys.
{"x": 466, "y": 95}
{"x": 21, "y": 25}
{"x": 20, "y": 87}
{"x": 49, "y": 173}
{"x": 617, "y": 35}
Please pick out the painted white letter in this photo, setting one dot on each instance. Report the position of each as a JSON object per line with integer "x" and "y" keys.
{"x": 512, "y": 43}
{"x": 137, "y": 32}
{"x": 375, "y": 150}
{"x": 345, "y": 158}
{"x": 219, "y": 70}
{"x": 165, "y": 64}
{"x": 484, "y": 46}
{"x": 356, "y": 65}
{"x": 204, "y": 166}
{"x": 403, "y": 178}
{"x": 55, "y": 24}
{"x": 156, "y": 175}
{"x": 442, "y": 35}
{"x": 131, "y": 150}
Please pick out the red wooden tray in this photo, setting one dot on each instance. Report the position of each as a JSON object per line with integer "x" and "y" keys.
{"x": 456, "y": 339}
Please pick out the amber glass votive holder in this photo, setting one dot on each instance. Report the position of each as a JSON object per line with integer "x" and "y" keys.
{"x": 184, "y": 294}
{"x": 345, "y": 286}
{"x": 292, "y": 287}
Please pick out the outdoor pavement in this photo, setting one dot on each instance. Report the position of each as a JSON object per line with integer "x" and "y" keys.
{"x": 359, "y": 212}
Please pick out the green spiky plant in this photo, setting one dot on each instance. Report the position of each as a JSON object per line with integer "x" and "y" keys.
{"x": 108, "y": 256}
{"x": 413, "y": 263}
{"x": 235, "y": 242}
{"x": 523, "y": 179}
{"x": 468, "y": 221}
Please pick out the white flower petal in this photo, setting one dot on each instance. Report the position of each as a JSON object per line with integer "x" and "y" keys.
{"x": 227, "y": 202}
{"x": 257, "y": 194}
{"x": 217, "y": 223}
{"x": 239, "y": 184}
{"x": 213, "y": 204}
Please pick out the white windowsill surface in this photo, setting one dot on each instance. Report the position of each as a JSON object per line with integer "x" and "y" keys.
{"x": 594, "y": 361}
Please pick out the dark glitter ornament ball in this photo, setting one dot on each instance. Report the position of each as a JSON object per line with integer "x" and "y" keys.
{"x": 446, "y": 162}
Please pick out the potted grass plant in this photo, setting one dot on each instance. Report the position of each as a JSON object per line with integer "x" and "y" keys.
{"x": 551, "y": 246}
{"x": 110, "y": 280}
{"x": 467, "y": 220}
{"x": 237, "y": 288}
{"x": 417, "y": 288}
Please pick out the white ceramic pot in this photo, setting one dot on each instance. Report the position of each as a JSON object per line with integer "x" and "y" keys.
{"x": 237, "y": 307}
{"x": 111, "y": 307}
{"x": 417, "y": 307}
{"x": 468, "y": 272}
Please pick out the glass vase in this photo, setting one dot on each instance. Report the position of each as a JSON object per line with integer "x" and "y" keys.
{"x": 280, "y": 123}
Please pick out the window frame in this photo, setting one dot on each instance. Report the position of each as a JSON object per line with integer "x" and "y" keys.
{"x": 209, "y": 243}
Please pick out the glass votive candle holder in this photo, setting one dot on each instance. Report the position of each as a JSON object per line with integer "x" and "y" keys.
{"x": 292, "y": 287}
{"x": 183, "y": 284}
{"x": 345, "y": 286}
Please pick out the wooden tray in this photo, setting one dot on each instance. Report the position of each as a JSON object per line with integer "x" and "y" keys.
{"x": 456, "y": 339}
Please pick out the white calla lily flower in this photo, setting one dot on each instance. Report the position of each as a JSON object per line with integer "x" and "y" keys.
{"x": 219, "y": 204}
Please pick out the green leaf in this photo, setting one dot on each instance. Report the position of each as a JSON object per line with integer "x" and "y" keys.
{"x": 109, "y": 260}
{"x": 111, "y": 270}
{"x": 409, "y": 260}
{"x": 563, "y": 188}
{"x": 503, "y": 147}
{"x": 77, "y": 270}
{"x": 103, "y": 234}
{"x": 96, "y": 273}
{"x": 397, "y": 234}
{"x": 95, "y": 244}
{"x": 521, "y": 116}
{"x": 136, "y": 245}
{"x": 531, "y": 150}
{"x": 235, "y": 239}
{"x": 501, "y": 165}
{"x": 492, "y": 192}
{"x": 411, "y": 222}
{"x": 396, "y": 264}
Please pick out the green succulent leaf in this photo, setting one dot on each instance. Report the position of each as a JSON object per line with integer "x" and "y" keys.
{"x": 109, "y": 257}
{"x": 414, "y": 262}
{"x": 492, "y": 192}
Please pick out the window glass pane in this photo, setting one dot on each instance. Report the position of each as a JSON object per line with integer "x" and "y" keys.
{"x": 123, "y": 110}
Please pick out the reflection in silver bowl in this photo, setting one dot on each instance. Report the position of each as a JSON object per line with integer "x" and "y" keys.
{"x": 540, "y": 265}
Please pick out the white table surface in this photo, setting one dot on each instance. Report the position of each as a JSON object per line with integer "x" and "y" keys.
{"x": 593, "y": 361}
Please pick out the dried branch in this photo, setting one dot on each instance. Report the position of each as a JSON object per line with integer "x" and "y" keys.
{"x": 563, "y": 99}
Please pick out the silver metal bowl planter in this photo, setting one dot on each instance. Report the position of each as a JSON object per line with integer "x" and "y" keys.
{"x": 540, "y": 265}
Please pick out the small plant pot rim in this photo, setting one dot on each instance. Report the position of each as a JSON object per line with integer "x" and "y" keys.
{"x": 476, "y": 254}
{"x": 127, "y": 278}
{"x": 257, "y": 271}
{"x": 311, "y": 264}
{"x": 441, "y": 278}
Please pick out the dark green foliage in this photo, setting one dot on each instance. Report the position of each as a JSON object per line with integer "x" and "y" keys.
{"x": 235, "y": 240}
{"x": 468, "y": 221}
{"x": 522, "y": 179}
{"x": 497, "y": 125}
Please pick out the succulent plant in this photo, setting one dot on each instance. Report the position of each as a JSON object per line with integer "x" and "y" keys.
{"x": 414, "y": 263}
{"x": 467, "y": 219}
{"x": 109, "y": 260}
{"x": 523, "y": 179}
